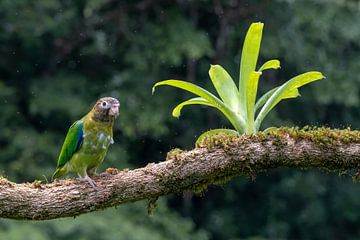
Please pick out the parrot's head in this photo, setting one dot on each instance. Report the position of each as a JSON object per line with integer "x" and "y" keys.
{"x": 106, "y": 109}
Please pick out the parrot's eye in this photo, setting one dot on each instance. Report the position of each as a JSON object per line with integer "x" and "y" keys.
{"x": 104, "y": 104}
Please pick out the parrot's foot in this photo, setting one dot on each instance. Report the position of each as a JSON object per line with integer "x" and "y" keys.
{"x": 90, "y": 181}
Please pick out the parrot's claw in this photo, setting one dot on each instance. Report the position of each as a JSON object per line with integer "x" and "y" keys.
{"x": 90, "y": 181}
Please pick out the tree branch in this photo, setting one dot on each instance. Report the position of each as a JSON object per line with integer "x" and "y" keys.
{"x": 219, "y": 159}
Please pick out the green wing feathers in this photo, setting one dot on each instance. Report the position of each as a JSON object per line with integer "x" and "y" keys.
{"x": 71, "y": 144}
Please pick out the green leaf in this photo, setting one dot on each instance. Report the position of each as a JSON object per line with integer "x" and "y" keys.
{"x": 271, "y": 64}
{"x": 211, "y": 133}
{"x": 286, "y": 90}
{"x": 263, "y": 99}
{"x": 225, "y": 86}
{"x": 199, "y": 91}
{"x": 177, "y": 110}
{"x": 266, "y": 96}
{"x": 250, "y": 99}
{"x": 236, "y": 120}
{"x": 249, "y": 57}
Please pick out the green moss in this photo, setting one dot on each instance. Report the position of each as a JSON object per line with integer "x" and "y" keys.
{"x": 114, "y": 171}
{"x": 198, "y": 188}
{"x": 4, "y": 181}
{"x": 221, "y": 181}
{"x": 37, "y": 184}
{"x": 356, "y": 176}
{"x": 201, "y": 187}
{"x": 320, "y": 135}
{"x": 174, "y": 154}
{"x": 152, "y": 205}
{"x": 216, "y": 139}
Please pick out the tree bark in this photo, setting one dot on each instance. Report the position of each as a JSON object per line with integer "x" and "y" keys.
{"x": 217, "y": 160}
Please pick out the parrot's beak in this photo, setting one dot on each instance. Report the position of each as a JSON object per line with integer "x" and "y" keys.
{"x": 114, "y": 110}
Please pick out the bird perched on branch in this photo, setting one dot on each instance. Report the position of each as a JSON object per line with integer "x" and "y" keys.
{"x": 88, "y": 140}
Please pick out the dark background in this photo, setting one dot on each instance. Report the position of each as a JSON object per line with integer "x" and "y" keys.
{"x": 57, "y": 57}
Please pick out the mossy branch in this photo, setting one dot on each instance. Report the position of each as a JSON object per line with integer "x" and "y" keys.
{"x": 217, "y": 160}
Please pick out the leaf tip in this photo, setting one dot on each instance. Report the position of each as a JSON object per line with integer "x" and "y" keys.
{"x": 176, "y": 115}
{"x": 320, "y": 75}
{"x": 176, "y": 112}
{"x": 277, "y": 64}
{"x": 214, "y": 66}
{"x": 258, "y": 23}
{"x": 258, "y": 26}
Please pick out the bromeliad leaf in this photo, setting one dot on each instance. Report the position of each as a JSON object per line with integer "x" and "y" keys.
{"x": 263, "y": 99}
{"x": 199, "y": 91}
{"x": 249, "y": 57}
{"x": 225, "y": 86}
{"x": 266, "y": 96}
{"x": 286, "y": 90}
{"x": 199, "y": 100}
{"x": 271, "y": 64}
{"x": 251, "y": 98}
{"x": 236, "y": 120}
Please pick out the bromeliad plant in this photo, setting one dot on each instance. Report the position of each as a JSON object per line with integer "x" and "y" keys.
{"x": 239, "y": 105}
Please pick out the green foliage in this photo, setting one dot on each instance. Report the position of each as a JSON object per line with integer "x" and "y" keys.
{"x": 207, "y": 97}
{"x": 287, "y": 90}
{"x": 238, "y": 105}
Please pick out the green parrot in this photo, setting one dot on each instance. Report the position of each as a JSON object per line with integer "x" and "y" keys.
{"x": 88, "y": 140}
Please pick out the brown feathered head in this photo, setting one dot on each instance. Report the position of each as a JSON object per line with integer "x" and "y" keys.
{"x": 106, "y": 109}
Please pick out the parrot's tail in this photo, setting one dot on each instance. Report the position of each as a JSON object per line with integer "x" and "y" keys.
{"x": 58, "y": 173}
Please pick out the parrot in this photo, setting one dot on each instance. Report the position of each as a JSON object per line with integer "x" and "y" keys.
{"x": 88, "y": 140}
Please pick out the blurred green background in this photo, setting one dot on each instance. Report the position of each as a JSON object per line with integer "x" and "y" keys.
{"x": 57, "y": 57}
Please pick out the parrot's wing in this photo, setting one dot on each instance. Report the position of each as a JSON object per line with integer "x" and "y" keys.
{"x": 72, "y": 143}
